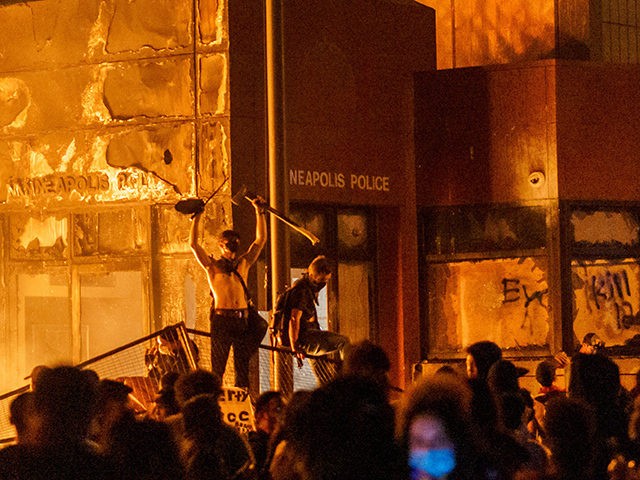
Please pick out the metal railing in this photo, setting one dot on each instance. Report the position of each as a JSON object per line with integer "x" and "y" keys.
{"x": 141, "y": 363}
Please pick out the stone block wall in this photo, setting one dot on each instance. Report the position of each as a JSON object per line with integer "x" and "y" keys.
{"x": 112, "y": 85}
{"x": 109, "y": 109}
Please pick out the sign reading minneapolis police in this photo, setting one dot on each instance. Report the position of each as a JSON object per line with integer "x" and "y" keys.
{"x": 114, "y": 184}
{"x": 339, "y": 180}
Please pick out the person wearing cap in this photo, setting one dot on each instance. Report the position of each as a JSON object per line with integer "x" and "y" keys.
{"x": 230, "y": 321}
{"x": 591, "y": 344}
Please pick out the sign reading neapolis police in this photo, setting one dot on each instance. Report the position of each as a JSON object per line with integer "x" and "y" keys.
{"x": 237, "y": 411}
{"x": 339, "y": 180}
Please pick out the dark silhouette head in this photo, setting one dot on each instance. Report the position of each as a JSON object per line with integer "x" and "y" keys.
{"x": 35, "y": 374}
{"x": 22, "y": 417}
{"x": 64, "y": 398}
{"x": 480, "y": 357}
{"x": 197, "y": 383}
{"x": 503, "y": 377}
{"x": 369, "y": 360}
{"x": 345, "y": 430}
{"x": 546, "y": 373}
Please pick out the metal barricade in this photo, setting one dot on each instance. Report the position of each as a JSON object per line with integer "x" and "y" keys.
{"x": 141, "y": 363}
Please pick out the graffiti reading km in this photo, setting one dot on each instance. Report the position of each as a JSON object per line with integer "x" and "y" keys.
{"x": 614, "y": 287}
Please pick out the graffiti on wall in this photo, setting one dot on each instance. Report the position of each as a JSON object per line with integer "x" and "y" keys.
{"x": 607, "y": 300}
{"x": 503, "y": 300}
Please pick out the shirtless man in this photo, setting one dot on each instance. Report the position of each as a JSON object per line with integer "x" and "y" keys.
{"x": 231, "y": 323}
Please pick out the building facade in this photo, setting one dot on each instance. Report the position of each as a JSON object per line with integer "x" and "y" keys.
{"x": 527, "y": 162}
{"x": 111, "y": 111}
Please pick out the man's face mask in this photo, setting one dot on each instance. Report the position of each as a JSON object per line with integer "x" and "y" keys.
{"x": 232, "y": 245}
{"x": 319, "y": 282}
{"x": 436, "y": 463}
{"x": 319, "y": 285}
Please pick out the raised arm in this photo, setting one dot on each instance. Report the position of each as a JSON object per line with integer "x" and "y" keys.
{"x": 258, "y": 244}
{"x": 201, "y": 255}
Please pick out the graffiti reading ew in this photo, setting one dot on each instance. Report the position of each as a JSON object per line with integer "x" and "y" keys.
{"x": 512, "y": 294}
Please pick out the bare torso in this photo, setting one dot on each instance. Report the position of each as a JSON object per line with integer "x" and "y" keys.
{"x": 225, "y": 286}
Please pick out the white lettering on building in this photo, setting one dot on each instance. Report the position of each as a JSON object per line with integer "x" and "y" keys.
{"x": 324, "y": 179}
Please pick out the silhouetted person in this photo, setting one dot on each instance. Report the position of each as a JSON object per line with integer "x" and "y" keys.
{"x": 169, "y": 355}
{"x": 212, "y": 450}
{"x": 480, "y": 357}
{"x": 279, "y": 455}
{"x": 436, "y": 432}
{"x": 369, "y": 360}
{"x": 63, "y": 402}
{"x": 503, "y": 377}
{"x": 546, "y": 377}
{"x": 35, "y": 375}
{"x": 186, "y": 387}
{"x": 489, "y": 377}
{"x": 570, "y": 427}
{"x": 595, "y": 379}
{"x": 23, "y": 417}
{"x": 345, "y": 430}
{"x": 267, "y": 416}
{"x": 145, "y": 450}
{"x": 112, "y": 404}
{"x": 165, "y": 403}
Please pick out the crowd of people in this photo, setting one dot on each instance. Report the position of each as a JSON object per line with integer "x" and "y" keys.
{"x": 458, "y": 423}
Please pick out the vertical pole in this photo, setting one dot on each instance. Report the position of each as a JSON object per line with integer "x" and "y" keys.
{"x": 277, "y": 172}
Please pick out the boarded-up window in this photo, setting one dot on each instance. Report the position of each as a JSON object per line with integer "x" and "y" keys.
{"x": 113, "y": 231}
{"x": 483, "y": 229}
{"x": 502, "y": 300}
{"x": 486, "y": 270}
{"x": 605, "y": 274}
{"x": 607, "y": 300}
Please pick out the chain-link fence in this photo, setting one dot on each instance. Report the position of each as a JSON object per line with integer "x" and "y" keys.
{"x": 142, "y": 363}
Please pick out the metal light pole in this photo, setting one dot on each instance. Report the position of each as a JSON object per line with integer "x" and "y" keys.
{"x": 277, "y": 172}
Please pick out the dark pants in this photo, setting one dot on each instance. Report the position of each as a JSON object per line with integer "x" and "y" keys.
{"x": 322, "y": 343}
{"x": 245, "y": 334}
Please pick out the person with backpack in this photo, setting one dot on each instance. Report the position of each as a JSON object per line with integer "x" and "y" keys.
{"x": 297, "y": 326}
